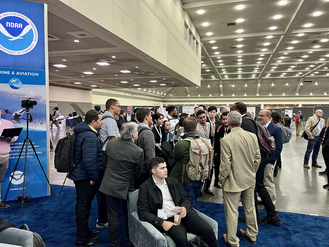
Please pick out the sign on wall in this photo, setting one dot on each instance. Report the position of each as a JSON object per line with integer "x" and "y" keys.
{"x": 22, "y": 76}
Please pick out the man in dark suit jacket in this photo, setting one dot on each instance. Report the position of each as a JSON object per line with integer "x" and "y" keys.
{"x": 156, "y": 203}
{"x": 264, "y": 117}
{"x": 124, "y": 164}
{"x": 129, "y": 116}
{"x": 272, "y": 217}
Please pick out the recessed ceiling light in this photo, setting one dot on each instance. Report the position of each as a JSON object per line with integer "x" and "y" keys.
{"x": 262, "y": 55}
{"x": 212, "y": 41}
{"x": 76, "y": 41}
{"x": 239, "y": 39}
{"x": 88, "y": 73}
{"x": 214, "y": 47}
{"x": 273, "y": 28}
{"x": 125, "y": 71}
{"x": 304, "y": 56}
{"x": 136, "y": 67}
{"x": 153, "y": 81}
{"x": 308, "y": 25}
{"x": 241, "y": 56}
{"x": 285, "y": 53}
{"x": 279, "y": 61}
{"x": 300, "y": 34}
{"x": 294, "y": 41}
{"x": 114, "y": 57}
{"x": 217, "y": 52}
{"x": 307, "y": 68}
{"x": 239, "y": 20}
{"x": 205, "y": 24}
{"x": 312, "y": 65}
{"x": 297, "y": 93}
{"x": 103, "y": 63}
{"x": 60, "y": 65}
{"x": 316, "y": 73}
{"x": 239, "y": 7}
{"x": 282, "y": 3}
{"x": 239, "y": 60}
{"x": 77, "y": 82}
{"x": 269, "y": 37}
{"x": 270, "y": 94}
{"x": 239, "y": 51}
{"x": 287, "y": 84}
{"x": 239, "y": 46}
{"x": 310, "y": 52}
{"x": 124, "y": 82}
{"x": 64, "y": 60}
{"x": 290, "y": 48}
{"x": 311, "y": 93}
{"x": 94, "y": 68}
{"x": 221, "y": 64}
{"x": 264, "y": 49}
{"x": 292, "y": 66}
{"x": 136, "y": 85}
{"x": 300, "y": 60}
{"x": 316, "y": 46}
{"x": 240, "y": 31}
{"x": 259, "y": 62}
{"x": 209, "y": 33}
{"x": 260, "y": 58}
{"x": 203, "y": 65}
{"x": 267, "y": 43}
{"x": 93, "y": 85}
{"x": 220, "y": 61}
{"x": 322, "y": 59}
{"x": 277, "y": 17}
{"x": 283, "y": 94}
{"x": 324, "y": 40}
{"x": 239, "y": 63}
{"x": 317, "y": 13}
{"x": 282, "y": 57}
{"x": 201, "y": 11}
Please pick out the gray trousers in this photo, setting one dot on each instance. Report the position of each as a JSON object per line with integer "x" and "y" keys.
{"x": 4, "y": 162}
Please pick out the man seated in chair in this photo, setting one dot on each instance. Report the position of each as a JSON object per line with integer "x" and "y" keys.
{"x": 157, "y": 199}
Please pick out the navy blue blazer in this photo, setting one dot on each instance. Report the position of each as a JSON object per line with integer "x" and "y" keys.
{"x": 276, "y": 132}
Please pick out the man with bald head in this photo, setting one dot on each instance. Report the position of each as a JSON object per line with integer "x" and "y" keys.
{"x": 313, "y": 128}
{"x": 264, "y": 117}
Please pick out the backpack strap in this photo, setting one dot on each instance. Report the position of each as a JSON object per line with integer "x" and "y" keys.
{"x": 184, "y": 166}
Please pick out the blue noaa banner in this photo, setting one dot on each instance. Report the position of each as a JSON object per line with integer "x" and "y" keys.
{"x": 22, "y": 41}
{"x": 23, "y": 76}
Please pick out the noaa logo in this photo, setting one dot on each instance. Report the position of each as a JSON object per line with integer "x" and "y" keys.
{"x": 18, "y": 177}
{"x": 18, "y": 34}
{"x": 15, "y": 83}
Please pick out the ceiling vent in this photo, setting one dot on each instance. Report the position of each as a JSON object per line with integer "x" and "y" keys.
{"x": 231, "y": 24}
{"x": 233, "y": 47}
{"x": 298, "y": 57}
{"x": 52, "y": 37}
{"x": 315, "y": 41}
{"x": 139, "y": 73}
{"x": 109, "y": 60}
{"x": 81, "y": 34}
{"x": 308, "y": 81}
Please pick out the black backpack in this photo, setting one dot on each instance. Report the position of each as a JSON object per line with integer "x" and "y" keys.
{"x": 64, "y": 153}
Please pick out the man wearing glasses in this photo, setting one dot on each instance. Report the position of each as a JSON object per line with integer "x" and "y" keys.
{"x": 109, "y": 131}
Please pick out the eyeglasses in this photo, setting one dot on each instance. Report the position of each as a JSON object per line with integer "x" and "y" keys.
{"x": 118, "y": 106}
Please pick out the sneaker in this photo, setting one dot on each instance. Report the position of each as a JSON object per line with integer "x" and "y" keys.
{"x": 102, "y": 225}
{"x": 3, "y": 205}
{"x": 275, "y": 220}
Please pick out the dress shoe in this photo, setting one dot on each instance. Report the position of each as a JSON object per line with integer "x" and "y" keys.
{"x": 3, "y": 205}
{"x": 244, "y": 235}
{"x": 209, "y": 192}
{"x": 326, "y": 186}
{"x": 94, "y": 232}
{"x": 224, "y": 239}
{"x": 90, "y": 242}
{"x": 323, "y": 173}
{"x": 275, "y": 220}
{"x": 217, "y": 185}
{"x": 316, "y": 165}
{"x": 306, "y": 166}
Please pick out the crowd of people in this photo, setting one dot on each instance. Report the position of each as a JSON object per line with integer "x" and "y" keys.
{"x": 151, "y": 151}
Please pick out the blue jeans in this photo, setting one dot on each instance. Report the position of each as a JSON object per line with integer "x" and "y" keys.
{"x": 312, "y": 145}
{"x": 193, "y": 191}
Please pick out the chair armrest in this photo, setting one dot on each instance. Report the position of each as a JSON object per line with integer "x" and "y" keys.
{"x": 142, "y": 233}
{"x": 16, "y": 236}
{"x": 213, "y": 223}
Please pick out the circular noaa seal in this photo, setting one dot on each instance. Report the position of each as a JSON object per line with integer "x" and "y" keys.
{"x": 15, "y": 83}
{"x": 18, "y": 177}
{"x": 18, "y": 34}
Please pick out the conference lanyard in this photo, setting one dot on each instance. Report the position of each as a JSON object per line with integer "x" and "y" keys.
{"x": 159, "y": 133}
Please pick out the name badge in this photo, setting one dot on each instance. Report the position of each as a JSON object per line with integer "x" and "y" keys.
{"x": 162, "y": 214}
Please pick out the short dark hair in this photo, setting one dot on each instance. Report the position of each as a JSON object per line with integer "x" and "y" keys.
{"x": 212, "y": 108}
{"x": 91, "y": 115}
{"x": 142, "y": 113}
{"x": 181, "y": 119}
{"x": 110, "y": 102}
{"x": 122, "y": 111}
{"x": 190, "y": 124}
{"x": 275, "y": 117}
{"x": 224, "y": 114}
{"x": 241, "y": 107}
{"x": 56, "y": 108}
{"x": 196, "y": 107}
{"x": 156, "y": 116}
{"x": 155, "y": 162}
{"x": 97, "y": 108}
{"x": 170, "y": 108}
{"x": 204, "y": 108}
{"x": 199, "y": 112}
{"x": 135, "y": 110}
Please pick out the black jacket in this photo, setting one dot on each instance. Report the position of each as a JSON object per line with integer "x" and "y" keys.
{"x": 132, "y": 117}
{"x": 150, "y": 200}
{"x": 218, "y": 136}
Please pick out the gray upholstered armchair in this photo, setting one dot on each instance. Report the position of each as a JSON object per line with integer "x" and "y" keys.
{"x": 142, "y": 233}
{"x": 16, "y": 237}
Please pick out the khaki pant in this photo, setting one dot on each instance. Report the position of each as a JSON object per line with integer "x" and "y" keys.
{"x": 269, "y": 181}
{"x": 298, "y": 127}
{"x": 231, "y": 205}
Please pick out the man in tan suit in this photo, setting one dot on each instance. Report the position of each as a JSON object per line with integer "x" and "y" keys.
{"x": 313, "y": 128}
{"x": 240, "y": 158}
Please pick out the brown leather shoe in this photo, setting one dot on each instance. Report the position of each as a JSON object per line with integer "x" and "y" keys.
{"x": 316, "y": 165}
{"x": 244, "y": 235}
{"x": 306, "y": 166}
{"x": 3, "y": 205}
{"x": 224, "y": 239}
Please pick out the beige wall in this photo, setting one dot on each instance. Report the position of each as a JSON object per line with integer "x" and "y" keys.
{"x": 58, "y": 94}
{"x": 156, "y": 27}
